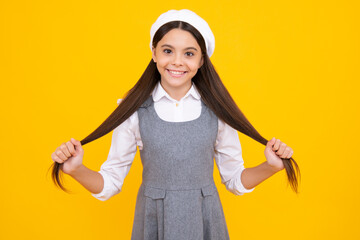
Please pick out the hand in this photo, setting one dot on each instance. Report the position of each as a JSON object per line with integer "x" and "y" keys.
{"x": 274, "y": 151}
{"x": 69, "y": 155}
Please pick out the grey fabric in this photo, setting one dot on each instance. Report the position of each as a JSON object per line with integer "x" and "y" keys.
{"x": 178, "y": 199}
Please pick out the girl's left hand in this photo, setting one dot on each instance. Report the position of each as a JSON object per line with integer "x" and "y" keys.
{"x": 274, "y": 151}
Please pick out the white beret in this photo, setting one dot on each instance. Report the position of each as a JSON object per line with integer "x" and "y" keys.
{"x": 190, "y": 17}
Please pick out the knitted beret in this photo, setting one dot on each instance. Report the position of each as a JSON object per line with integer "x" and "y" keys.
{"x": 190, "y": 17}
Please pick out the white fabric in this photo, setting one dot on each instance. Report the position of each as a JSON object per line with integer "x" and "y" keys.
{"x": 126, "y": 138}
{"x": 190, "y": 17}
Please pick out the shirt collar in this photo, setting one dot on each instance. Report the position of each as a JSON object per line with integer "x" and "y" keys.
{"x": 159, "y": 92}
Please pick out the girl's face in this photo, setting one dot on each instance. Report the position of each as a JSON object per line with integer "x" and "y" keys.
{"x": 178, "y": 58}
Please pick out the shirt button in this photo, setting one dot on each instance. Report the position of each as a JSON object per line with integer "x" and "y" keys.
{"x": 177, "y": 104}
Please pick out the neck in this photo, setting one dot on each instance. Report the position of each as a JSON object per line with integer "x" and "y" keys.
{"x": 176, "y": 93}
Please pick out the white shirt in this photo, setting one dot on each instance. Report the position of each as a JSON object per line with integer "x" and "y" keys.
{"x": 126, "y": 138}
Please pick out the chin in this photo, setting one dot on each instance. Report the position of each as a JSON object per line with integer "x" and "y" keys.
{"x": 175, "y": 84}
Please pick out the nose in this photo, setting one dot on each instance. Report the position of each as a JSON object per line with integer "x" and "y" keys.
{"x": 177, "y": 59}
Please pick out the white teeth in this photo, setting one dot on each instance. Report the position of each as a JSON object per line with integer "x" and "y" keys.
{"x": 177, "y": 73}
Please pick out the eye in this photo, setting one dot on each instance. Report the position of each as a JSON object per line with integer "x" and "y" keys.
{"x": 189, "y": 54}
{"x": 167, "y": 50}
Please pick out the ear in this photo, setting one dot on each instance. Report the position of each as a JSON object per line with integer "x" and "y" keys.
{"x": 201, "y": 61}
{"x": 153, "y": 54}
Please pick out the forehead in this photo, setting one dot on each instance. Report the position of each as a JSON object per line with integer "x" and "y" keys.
{"x": 179, "y": 38}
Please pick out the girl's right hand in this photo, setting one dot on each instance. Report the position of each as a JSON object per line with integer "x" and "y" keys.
{"x": 69, "y": 155}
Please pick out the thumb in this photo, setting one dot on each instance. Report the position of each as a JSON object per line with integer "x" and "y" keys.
{"x": 271, "y": 142}
{"x": 76, "y": 143}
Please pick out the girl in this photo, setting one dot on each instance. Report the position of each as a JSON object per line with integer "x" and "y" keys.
{"x": 181, "y": 117}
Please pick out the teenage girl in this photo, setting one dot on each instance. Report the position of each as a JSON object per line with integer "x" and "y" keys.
{"x": 181, "y": 117}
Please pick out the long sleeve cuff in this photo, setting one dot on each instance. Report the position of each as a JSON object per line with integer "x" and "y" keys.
{"x": 107, "y": 192}
{"x": 235, "y": 185}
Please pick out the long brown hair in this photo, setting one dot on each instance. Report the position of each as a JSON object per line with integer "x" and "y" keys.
{"x": 212, "y": 91}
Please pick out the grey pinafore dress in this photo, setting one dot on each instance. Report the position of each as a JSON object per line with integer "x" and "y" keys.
{"x": 178, "y": 198}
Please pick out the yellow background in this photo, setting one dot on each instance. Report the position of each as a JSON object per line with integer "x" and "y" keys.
{"x": 292, "y": 67}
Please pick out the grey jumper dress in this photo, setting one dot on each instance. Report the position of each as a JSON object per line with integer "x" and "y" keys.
{"x": 178, "y": 199}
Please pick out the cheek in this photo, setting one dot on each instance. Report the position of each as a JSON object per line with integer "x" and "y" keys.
{"x": 194, "y": 66}
{"x": 162, "y": 63}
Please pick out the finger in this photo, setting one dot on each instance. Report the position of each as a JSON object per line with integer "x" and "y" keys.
{"x": 61, "y": 155}
{"x": 71, "y": 148}
{"x": 290, "y": 154}
{"x": 56, "y": 158}
{"x": 281, "y": 149}
{"x": 286, "y": 152}
{"x": 276, "y": 145}
{"x": 65, "y": 150}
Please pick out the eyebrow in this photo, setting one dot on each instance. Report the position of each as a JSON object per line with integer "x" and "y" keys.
{"x": 167, "y": 45}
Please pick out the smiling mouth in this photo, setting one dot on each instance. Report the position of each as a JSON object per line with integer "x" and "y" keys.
{"x": 176, "y": 73}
